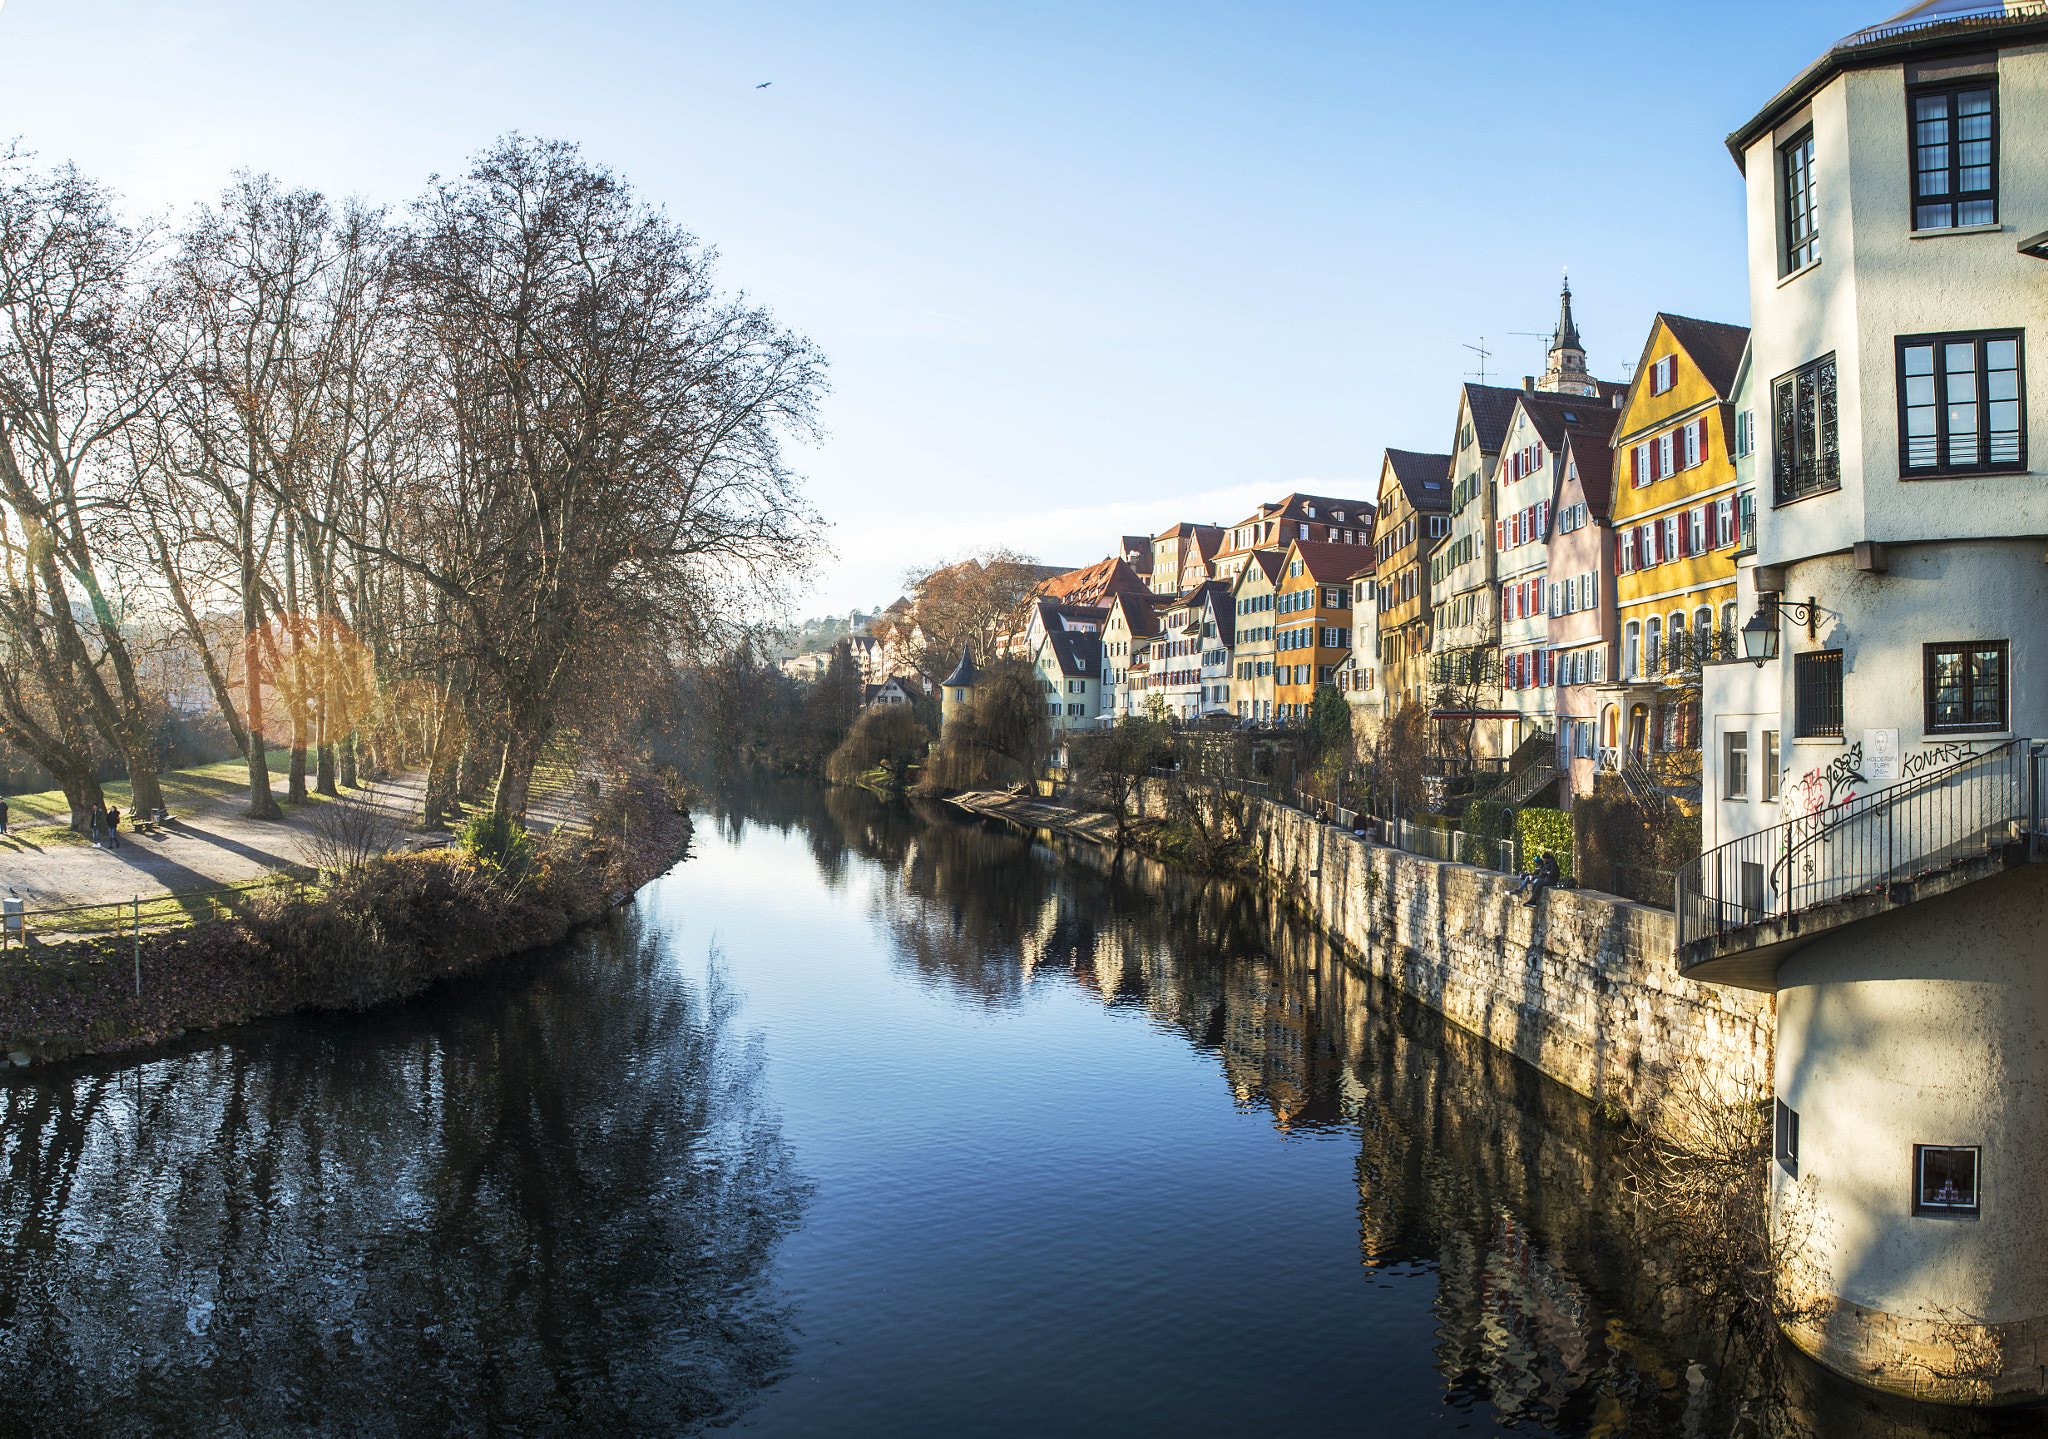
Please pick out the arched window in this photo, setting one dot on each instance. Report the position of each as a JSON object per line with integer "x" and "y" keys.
{"x": 1728, "y": 627}
{"x": 1653, "y": 646}
{"x": 1630, "y": 646}
{"x": 1610, "y": 721}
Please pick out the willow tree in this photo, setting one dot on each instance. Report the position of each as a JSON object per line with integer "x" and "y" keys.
{"x": 611, "y": 464}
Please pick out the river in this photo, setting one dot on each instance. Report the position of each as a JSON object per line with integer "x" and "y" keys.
{"x": 864, "y": 1120}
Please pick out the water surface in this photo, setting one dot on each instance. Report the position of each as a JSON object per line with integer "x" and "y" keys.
{"x": 861, "y": 1121}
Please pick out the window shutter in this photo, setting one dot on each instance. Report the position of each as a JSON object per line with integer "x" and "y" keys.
{"x": 1542, "y": 518}
{"x": 1500, "y": 535}
{"x": 1506, "y": 605}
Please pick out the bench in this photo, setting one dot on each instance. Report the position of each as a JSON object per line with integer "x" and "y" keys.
{"x": 159, "y": 819}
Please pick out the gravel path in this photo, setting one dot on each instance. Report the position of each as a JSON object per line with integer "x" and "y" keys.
{"x": 213, "y": 846}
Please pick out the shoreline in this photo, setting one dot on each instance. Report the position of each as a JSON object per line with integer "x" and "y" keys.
{"x": 81, "y": 1003}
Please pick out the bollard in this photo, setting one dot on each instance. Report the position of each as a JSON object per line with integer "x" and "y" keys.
{"x": 12, "y": 922}
{"x": 138, "y": 949}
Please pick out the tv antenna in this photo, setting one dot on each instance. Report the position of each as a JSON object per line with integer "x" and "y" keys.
{"x": 1484, "y": 355}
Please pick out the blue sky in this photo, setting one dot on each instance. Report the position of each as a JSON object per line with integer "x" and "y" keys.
{"x": 1081, "y": 269}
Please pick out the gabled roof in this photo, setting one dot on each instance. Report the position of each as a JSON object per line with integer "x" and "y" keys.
{"x": 1214, "y": 596}
{"x": 1714, "y": 347}
{"x": 1424, "y": 479}
{"x": 1141, "y": 616}
{"x": 1266, "y": 563}
{"x": 1094, "y": 584}
{"x": 1327, "y": 564}
{"x": 1137, "y": 552}
{"x": 1595, "y": 462}
{"x": 1491, "y": 405}
{"x": 1554, "y": 416}
{"x": 1079, "y": 652}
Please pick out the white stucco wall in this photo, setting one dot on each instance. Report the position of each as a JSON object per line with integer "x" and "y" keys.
{"x": 1868, "y": 1055}
{"x": 1876, "y": 280}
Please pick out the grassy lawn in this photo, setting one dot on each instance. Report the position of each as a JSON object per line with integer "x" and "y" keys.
{"x": 184, "y": 790}
{"x": 194, "y": 906}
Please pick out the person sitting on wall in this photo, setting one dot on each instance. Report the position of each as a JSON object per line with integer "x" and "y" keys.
{"x": 1544, "y": 876}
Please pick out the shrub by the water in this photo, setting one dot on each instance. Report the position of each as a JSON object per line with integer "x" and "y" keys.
{"x": 885, "y": 737}
{"x": 501, "y": 843}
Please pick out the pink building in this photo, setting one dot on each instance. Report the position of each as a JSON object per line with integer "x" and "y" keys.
{"x": 1580, "y": 572}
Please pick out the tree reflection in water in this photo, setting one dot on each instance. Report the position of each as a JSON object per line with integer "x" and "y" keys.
{"x": 548, "y": 1205}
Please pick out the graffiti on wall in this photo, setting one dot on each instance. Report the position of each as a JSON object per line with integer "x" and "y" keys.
{"x": 1831, "y": 784}
{"x": 1825, "y": 786}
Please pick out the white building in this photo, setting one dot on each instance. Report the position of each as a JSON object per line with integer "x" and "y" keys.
{"x": 1898, "y": 222}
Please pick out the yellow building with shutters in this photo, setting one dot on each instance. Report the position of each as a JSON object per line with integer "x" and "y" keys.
{"x": 1676, "y": 532}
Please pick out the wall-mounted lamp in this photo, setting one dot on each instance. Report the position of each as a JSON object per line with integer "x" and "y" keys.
{"x": 1760, "y": 635}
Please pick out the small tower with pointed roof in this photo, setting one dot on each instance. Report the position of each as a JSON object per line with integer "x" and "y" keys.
{"x": 1566, "y": 373}
{"x": 958, "y": 689}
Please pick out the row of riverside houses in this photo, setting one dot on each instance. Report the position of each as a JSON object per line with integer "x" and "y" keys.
{"x": 1564, "y": 571}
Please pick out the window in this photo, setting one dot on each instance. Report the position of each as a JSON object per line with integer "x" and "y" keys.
{"x": 1745, "y": 433}
{"x": 1724, "y": 523}
{"x": 1770, "y": 765}
{"x": 1959, "y": 404}
{"x": 1639, "y": 472}
{"x": 1809, "y": 461}
{"x": 1955, "y": 156}
{"x": 1653, "y": 644}
{"x": 1661, "y": 375}
{"x": 1695, "y": 437}
{"x": 1945, "y": 1180}
{"x": 1735, "y": 764}
{"x": 1631, "y": 640}
{"x": 1665, "y": 466}
{"x": 1966, "y": 687}
{"x": 1669, "y": 550}
{"x": 1802, "y": 234}
{"x": 1785, "y": 1138}
{"x": 1817, "y": 695}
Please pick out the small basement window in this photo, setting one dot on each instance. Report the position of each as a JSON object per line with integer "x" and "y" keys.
{"x": 1945, "y": 1180}
{"x": 1785, "y": 1138}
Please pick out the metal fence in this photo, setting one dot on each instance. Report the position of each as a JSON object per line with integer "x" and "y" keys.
{"x": 1960, "y": 812}
{"x": 139, "y": 912}
{"x": 1452, "y": 846}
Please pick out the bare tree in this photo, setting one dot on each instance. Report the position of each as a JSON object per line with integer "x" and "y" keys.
{"x": 982, "y": 600}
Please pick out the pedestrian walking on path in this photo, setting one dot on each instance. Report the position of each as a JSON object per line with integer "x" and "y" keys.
{"x": 3, "y": 816}
{"x": 99, "y": 822}
{"x": 113, "y": 824}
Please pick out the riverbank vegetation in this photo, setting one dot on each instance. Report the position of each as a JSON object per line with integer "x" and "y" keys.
{"x": 382, "y": 928}
{"x": 387, "y": 489}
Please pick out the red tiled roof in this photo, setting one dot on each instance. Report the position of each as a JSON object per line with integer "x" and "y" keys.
{"x": 1329, "y": 564}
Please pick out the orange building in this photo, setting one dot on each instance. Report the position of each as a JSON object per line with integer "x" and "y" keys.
{"x": 1312, "y": 622}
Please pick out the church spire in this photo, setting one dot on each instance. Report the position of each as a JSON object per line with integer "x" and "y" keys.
{"x": 1567, "y": 336}
{"x": 1566, "y": 373}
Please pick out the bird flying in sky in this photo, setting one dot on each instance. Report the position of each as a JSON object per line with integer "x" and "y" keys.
{"x": 762, "y": 86}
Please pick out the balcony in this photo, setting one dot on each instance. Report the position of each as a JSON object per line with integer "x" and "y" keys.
{"x": 1747, "y": 905}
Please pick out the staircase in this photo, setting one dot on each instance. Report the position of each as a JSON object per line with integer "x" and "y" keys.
{"x": 1644, "y": 789}
{"x": 1532, "y": 766}
{"x": 1517, "y": 787}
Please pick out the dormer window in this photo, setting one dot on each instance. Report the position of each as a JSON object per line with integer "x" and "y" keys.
{"x": 1309, "y": 510}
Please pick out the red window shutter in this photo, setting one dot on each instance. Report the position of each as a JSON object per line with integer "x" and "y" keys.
{"x": 1635, "y": 467}
{"x": 1506, "y": 605}
{"x": 1500, "y": 535}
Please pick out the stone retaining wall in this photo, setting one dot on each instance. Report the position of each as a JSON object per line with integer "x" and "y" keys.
{"x": 1584, "y": 986}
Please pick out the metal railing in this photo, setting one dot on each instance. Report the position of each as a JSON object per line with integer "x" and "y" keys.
{"x": 1451, "y": 846}
{"x": 1963, "y": 811}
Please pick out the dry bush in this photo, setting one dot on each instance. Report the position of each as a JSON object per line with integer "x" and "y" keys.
{"x": 1704, "y": 1171}
{"x": 392, "y": 926}
{"x": 348, "y": 832}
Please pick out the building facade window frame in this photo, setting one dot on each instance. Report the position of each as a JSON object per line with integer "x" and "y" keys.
{"x": 1948, "y": 1180}
{"x": 1800, "y": 241}
{"x": 1952, "y": 131}
{"x": 1806, "y": 441}
{"x": 1962, "y": 403}
{"x": 1967, "y": 686}
{"x": 1817, "y": 694}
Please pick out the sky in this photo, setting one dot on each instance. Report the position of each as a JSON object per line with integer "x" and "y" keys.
{"x": 1081, "y": 270}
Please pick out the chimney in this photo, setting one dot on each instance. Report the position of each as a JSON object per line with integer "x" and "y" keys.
{"x": 1529, "y": 384}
